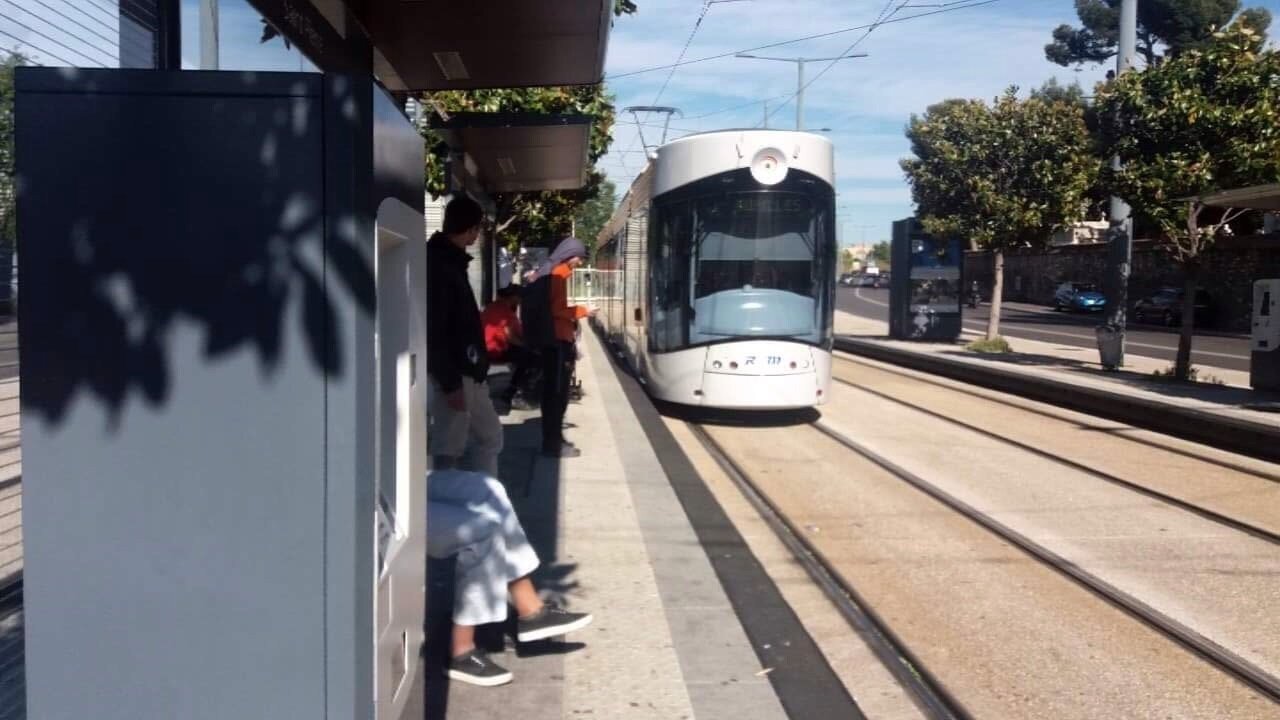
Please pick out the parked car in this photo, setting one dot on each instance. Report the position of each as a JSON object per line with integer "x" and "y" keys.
{"x": 846, "y": 279}
{"x": 1165, "y": 307}
{"x": 881, "y": 281}
{"x": 1081, "y": 296}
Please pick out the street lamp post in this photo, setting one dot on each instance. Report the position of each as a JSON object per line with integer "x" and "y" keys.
{"x": 800, "y": 62}
{"x": 208, "y": 34}
{"x": 1121, "y": 230}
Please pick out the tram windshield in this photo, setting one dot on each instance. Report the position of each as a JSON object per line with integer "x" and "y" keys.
{"x": 743, "y": 264}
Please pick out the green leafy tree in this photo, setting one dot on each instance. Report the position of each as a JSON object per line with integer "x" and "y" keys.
{"x": 594, "y": 214}
{"x": 1164, "y": 26}
{"x": 530, "y": 218}
{"x": 1053, "y": 91}
{"x": 1204, "y": 121}
{"x": 1003, "y": 175}
{"x": 8, "y": 224}
{"x": 879, "y": 254}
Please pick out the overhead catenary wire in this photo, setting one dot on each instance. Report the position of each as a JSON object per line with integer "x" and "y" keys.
{"x": 735, "y": 107}
{"x": 883, "y": 16}
{"x": 655, "y": 125}
{"x": 954, "y": 6}
{"x": 702, "y": 14}
{"x": 940, "y": 9}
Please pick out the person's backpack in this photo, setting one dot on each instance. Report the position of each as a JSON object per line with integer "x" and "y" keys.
{"x": 535, "y": 314}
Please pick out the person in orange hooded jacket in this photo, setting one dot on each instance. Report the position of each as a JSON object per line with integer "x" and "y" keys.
{"x": 558, "y": 351}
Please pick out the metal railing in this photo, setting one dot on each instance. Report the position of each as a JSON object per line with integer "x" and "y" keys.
{"x": 588, "y": 286}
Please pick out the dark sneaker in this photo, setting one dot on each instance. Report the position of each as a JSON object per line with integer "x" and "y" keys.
{"x": 476, "y": 668}
{"x": 550, "y": 622}
{"x": 565, "y": 451}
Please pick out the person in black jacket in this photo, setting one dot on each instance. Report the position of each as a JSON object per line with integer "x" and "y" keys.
{"x": 464, "y": 430}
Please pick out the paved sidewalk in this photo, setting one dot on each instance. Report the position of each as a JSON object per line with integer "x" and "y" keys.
{"x": 12, "y": 657}
{"x": 1229, "y": 396}
{"x": 615, "y": 541}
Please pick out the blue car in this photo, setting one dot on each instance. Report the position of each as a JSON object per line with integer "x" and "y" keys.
{"x": 1079, "y": 296}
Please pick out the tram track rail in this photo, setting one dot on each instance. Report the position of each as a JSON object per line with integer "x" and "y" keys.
{"x": 982, "y": 392}
{"x": 1235, "y": 434}
{"x": 928, "y": 693}
{"x": 1198, "y": 645}
{"x": 1242, "y": 526}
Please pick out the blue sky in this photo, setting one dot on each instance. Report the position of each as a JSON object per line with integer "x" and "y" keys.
{"x": 972, "y": 53}
{"x": 866, "y": 102}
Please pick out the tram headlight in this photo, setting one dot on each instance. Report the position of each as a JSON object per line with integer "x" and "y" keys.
{"x": 769, "y": 166}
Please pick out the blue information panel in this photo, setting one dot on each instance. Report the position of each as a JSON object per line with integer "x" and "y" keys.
{"x": 925, "y": 300}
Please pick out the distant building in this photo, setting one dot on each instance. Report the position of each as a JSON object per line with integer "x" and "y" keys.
{"x": 1083, "y": 233}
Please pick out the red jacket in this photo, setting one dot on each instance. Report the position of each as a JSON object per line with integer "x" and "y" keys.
{"x": 499, "y": 318}
{"x": 564, "y": 316}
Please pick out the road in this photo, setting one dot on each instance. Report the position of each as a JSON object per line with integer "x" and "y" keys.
{"x": 1035, "y": 322}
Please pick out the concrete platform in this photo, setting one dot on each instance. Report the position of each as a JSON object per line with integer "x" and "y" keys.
{"x": 684, "y": 615}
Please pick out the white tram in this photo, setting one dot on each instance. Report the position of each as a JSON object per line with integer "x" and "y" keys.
{"x": 718, "y": 270}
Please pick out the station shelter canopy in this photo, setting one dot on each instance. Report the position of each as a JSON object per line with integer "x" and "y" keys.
{"x": 431, "y": 45}
{"x": 510, "y": 152}
{"x": 1258, "y": 197}
{"x": 443, "y": 45}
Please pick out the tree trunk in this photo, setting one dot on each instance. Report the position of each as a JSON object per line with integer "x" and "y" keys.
{"x": 997, "y": 294}
{"x": 1182, "y": 367}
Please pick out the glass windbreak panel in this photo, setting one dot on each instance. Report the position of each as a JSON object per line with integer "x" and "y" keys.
{"x": 82, "y": 33}
{"x": 242, "y": 39}
{"x": 742, "y": 263}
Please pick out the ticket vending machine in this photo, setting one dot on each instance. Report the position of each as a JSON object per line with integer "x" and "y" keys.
{"x": 926, "y": 286}
{"x": 1264, "y": 363}
{"x": 222, "y": 365}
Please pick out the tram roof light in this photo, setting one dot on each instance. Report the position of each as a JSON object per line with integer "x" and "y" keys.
{"x": 769, "y": 166}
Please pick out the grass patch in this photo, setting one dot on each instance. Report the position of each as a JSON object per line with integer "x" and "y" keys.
{"x": 996, "y": 346}
{"x": 1193, "y": 375}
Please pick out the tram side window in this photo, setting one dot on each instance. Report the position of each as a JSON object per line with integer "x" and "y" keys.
{"x": 824, "y": 271}
{"x": 668, "y": 290}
